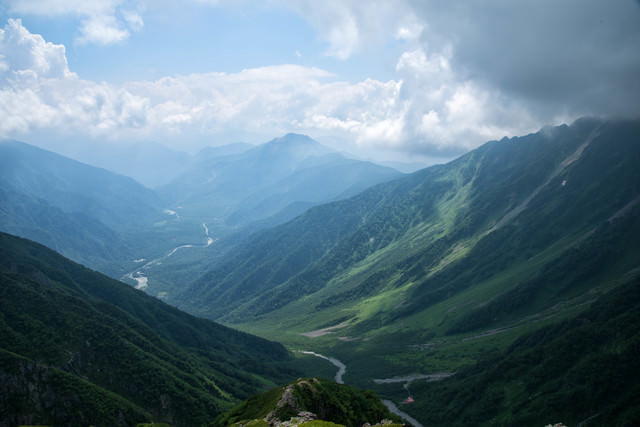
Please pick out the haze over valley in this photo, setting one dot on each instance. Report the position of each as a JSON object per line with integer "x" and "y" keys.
{"x": 275, "y": 213}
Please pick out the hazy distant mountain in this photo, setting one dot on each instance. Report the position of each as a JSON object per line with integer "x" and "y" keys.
{"x": 77, "y": 236}
{"x": 451, "y": 264}
{"x": 107, "y": 221}
{"x": 282, "y": 177}
{"x": 150, "y": 163}
{"x": 74, "y": 187}
{"x": 209, "y": 153}
{"x": 405, "y": 167}
{"x": 86, "y": 213}
{"x": 431, "y": 223}
{"x": 78, "y": 348}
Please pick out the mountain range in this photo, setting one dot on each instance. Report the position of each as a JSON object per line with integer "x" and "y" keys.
{"x": 499, "y": 288}
{"x": 106, "y": 220}
{"x": 437, "y": 231}
{"x": 272, "y": 182}
{"x": 150, "y": 163}
{"x": 447, "y": 266}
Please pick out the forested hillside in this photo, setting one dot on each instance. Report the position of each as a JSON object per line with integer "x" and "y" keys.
{"x": 79, "y": 348}
{"x": 451, "y": 267}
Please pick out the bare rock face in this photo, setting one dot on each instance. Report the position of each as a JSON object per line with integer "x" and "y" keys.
{"x": 290, "y": 404}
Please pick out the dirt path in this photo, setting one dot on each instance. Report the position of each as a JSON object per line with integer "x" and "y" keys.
{"x": 324, "y": 331}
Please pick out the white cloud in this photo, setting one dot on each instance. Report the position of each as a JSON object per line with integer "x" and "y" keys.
{"x": 418, "y": 63}
{"x": 23, "y": 53}
{"x": 38, "y": 92}
{"x": 133, "y": 19}
{"x": 102, "y": 21}
{"x": 461, "y": 75}
{"x": 425, "y": 111}
{"x": 433, "y": 107}
{"x": 351, "y": 25}
{"x": 473, "y": 71}
{"x": 102, "y": 30}
{"x": 410, "y": 30}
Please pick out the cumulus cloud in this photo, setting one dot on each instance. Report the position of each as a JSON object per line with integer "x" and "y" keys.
{"x": 23, "y": 53}
{"x": 473, "y": 71}
{"x": 352, "y": 25}
{"x": 466, "y": 73}
{"x": 38, "y": 92}
{"x": 435, "y": 107}
{"x": 574, "y": 57}
{"x": 102, "y": 21}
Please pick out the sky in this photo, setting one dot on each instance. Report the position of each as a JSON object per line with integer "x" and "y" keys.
{"x": 407, "y": 80}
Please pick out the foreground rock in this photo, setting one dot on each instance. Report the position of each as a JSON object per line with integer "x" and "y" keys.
{"x": 307, "y": 402}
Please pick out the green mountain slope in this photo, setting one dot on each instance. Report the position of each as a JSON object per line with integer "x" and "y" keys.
{"x": 310, "y": 402}
{"x": 107, "y": 354}
{"x": 223, "y": 199}
{"x": 448, "y": 266}
{"x": 88, "y": 214}
{"x": 437, "y": 231}
{"x": 77, "y": 236}
{"x": 578, "y": 371}
{"x": 276, "y": 181}
{"x": 117, "y": 201}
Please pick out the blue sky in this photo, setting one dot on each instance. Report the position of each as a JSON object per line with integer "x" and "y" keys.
{"x": 402, "y": 79}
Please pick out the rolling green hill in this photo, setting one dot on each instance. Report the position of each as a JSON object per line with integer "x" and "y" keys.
{"x": 448, "y": 266}
{"x": 310, "y": 402}
{"x": 78, "y": 348}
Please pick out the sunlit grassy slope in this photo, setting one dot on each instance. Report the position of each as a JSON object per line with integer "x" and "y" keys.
{"x": 450, "y": 265}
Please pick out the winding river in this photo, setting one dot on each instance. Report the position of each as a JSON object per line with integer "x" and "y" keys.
{"x": 142, "y": 281}
{"x": 394, "y": 409}
{"x": 342, "y": 368}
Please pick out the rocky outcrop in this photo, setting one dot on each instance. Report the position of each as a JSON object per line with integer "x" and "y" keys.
{"x": 306, "y": 400}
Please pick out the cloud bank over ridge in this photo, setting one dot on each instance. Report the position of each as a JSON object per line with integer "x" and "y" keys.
{"x": 464, "y": 73}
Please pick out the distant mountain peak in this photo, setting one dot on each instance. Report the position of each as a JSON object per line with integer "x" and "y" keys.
{"x": 293, "y": 138}
{"x": 297, "y": 145}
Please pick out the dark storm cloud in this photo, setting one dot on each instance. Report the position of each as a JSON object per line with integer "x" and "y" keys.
{"x": 568, "y": 57}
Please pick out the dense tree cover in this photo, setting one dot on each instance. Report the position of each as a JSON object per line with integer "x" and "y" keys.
{"x": 500, "y": 205}
{"x": 92, "y": 336}
{"x": 580, "y": 370}
{"x": 445, "y": 268}
{"x": 328, "y": 401}
{"x": 574, "y": 271}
